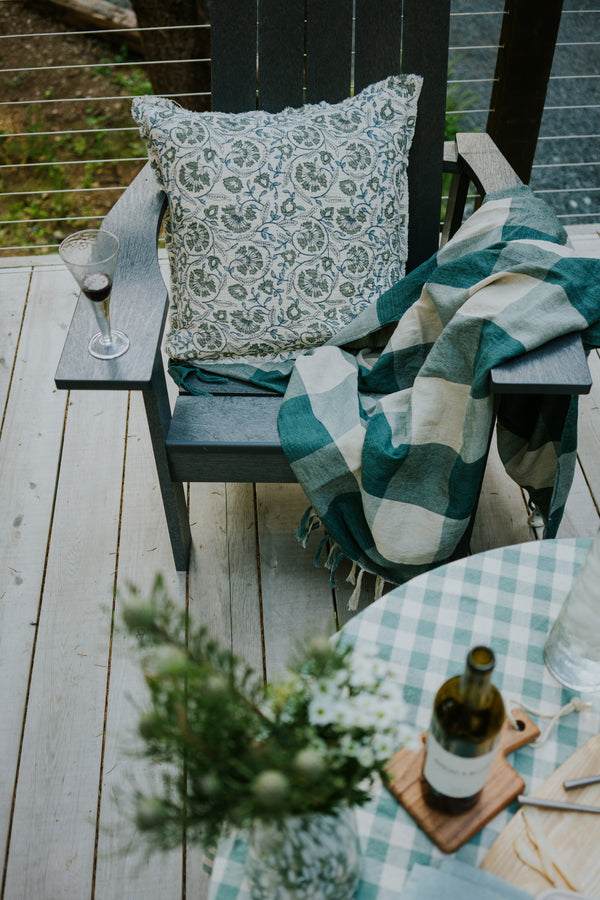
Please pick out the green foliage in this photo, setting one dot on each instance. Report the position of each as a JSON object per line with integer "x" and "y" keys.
{"x": 232, "y": 750}
{"x": 40, "y": 145}
{"x": 457, "y": 98}
{"x": 134, "y": 82}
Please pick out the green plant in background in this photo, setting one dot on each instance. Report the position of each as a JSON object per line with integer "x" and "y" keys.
{"x": 458, "y": 98}
{"x": 134, "y": 82}
{"x": 132, "y": 79}
{"x": 109, "y": 138}
{"x": 233, "y": 750}
{"x": 106, "y": 70}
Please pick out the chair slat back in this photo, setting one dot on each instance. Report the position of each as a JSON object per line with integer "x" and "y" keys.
{"x": 378, "y": 39}
{"x": 426, "y": 32}
{"x": 280, "y": 65}
{"x": 271, "y": 54}
{"x": 328, "y": 61}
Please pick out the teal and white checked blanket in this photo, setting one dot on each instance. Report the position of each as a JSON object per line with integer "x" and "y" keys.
{"x": 386, "y": 427}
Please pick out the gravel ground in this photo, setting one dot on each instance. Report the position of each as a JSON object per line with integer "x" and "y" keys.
{"x": 572, "y": 189}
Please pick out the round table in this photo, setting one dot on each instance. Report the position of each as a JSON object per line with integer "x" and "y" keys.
{"x": 506, "y": 598}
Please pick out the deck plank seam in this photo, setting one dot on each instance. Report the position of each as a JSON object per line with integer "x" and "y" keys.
{"x": 110, "y": 650}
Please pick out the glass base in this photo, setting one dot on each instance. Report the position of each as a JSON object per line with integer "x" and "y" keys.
{"x": 103, "y": 349}
{"x": 578, "y": 673}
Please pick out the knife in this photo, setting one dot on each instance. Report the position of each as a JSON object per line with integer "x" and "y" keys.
{"x": 557, "y": 804}
{"x": 581, "y": 782}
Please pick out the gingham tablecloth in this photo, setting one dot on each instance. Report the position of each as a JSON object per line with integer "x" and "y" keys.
{"x": 506, "y": 598}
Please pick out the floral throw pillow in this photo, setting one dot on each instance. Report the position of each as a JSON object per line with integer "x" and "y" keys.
{"x": 280, "y": 227}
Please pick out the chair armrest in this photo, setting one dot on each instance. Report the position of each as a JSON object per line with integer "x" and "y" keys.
{"x": 450, "y": 163}
{"x": 484, "y": 164}
{"x": 472, "y": 158}
{"x": 558, "y": 367}
{"x": 138, "y": 303}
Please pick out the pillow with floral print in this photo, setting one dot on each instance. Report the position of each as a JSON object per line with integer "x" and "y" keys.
{"x": 281, "y": 227}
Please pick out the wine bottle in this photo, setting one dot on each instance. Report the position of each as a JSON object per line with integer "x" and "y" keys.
{"x": 468, "y": 713}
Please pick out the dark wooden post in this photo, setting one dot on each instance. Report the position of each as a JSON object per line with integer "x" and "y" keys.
{"x": 527, "y": 41}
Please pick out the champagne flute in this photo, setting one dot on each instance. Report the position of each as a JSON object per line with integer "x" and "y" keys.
{"x": 91, "y": 257}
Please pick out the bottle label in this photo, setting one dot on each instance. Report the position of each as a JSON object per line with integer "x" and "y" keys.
{"x": 452, "y": 775}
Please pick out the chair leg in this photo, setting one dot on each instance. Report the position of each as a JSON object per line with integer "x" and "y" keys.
{"x": 455, "y": 207}
{"x": 158, "y": 413}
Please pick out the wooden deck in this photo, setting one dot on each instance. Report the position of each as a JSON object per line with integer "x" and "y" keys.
{"x": 81, "y": 517}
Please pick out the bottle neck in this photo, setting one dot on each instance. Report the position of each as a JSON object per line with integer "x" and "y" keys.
{"x": 475, "y": 683}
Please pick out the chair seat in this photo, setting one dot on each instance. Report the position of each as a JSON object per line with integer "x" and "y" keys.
{"x": 227, "y": 438}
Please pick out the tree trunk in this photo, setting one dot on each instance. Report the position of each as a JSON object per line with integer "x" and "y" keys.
{"x": 176, "y": 79}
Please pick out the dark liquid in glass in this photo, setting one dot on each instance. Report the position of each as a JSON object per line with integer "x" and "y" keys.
{"x": 96, "y": 287}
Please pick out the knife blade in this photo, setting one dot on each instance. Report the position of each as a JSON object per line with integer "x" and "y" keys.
{"x": 557, "y": 804}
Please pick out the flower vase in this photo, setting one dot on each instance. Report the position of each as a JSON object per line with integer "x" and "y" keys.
{"x": 304, "y": 857}
{"x": 572, "y": 650}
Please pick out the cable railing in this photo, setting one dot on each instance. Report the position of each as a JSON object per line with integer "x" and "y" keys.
{"x": 567, "y": 155}
{"x": 68, "y": 147}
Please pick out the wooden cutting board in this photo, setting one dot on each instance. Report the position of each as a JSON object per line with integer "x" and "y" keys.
{"x": 576, "y": 835}
{"x": 502, "y": 787}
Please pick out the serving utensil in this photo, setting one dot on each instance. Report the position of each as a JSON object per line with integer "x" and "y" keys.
{"x": 580, "y": 782}
{"x": 557, "y": 804}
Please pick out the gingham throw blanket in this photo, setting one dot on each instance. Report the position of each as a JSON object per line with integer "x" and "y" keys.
{"x": 386, "y": 428}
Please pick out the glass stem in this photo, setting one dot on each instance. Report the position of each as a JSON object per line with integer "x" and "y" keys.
{"x": 103, "y": 320}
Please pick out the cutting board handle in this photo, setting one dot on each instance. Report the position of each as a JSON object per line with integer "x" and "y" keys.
{"x": 512, "y": 738}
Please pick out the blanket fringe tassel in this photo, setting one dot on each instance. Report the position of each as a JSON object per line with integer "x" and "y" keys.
{"x": 355, "y": 595}
{"x": 355, "y": 577}
{"x": 310, "y": 522}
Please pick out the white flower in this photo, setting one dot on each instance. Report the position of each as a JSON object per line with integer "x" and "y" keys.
{"x": 327, "y": 709}
{"x": 384, "y": 746}
{"x": 366, "y": 756}
{"x": 319, "y": 712}
{"x": 360, "y": 713}
{"x": 340, "y": 678}
{"x": 349, "y": 746}
{"x": 364, "y": 671}
{"x": 407, "y": 736}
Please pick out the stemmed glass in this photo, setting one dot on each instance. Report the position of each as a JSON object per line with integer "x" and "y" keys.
{"x": 91, "y": 257}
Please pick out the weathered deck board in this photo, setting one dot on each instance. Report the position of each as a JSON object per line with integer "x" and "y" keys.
{"x": 297, "y": 599}
{"x": 54, "y": 822}
{"x": 30, "y": 446}
{"x": 80, "y": 517}
{"x": 143, "y": 552}
{"x": 14, "y": 284}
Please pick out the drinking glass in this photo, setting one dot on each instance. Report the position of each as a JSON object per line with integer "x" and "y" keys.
{"x": 91, "y": 257}
{"x": 572, "y": 650}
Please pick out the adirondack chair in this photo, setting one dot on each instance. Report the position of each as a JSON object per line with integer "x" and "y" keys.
{"x": 304, "y": 54}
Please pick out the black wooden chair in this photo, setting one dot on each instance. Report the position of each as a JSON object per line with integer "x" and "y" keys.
{"x": 307, "y": 51}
